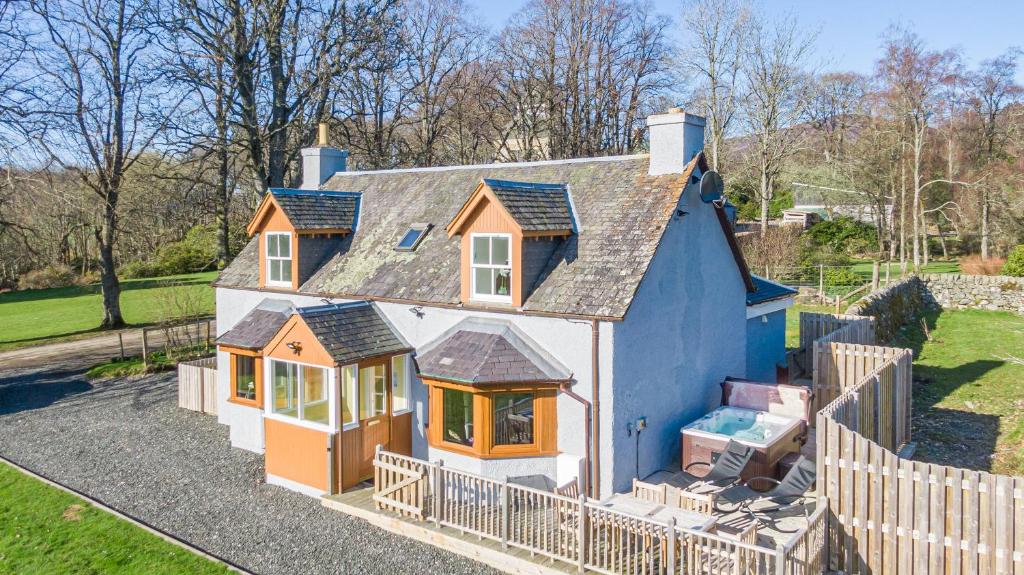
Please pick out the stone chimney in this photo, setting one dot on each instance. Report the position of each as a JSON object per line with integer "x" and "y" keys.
{"x": 676, "y": 137}
{"x": 321, "y": 162}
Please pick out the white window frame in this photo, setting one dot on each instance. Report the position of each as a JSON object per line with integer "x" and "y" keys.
{"x": 473, "y": 267}
{"x": 394, "y": 385}
{"x": 268, "y": 399}
{"x": 350, "y": 391}
{"x": 268, "y": 258}
{"x": 367, "y": 402}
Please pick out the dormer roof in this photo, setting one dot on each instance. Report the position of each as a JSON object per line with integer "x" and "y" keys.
{"x": 537, "y": 208}
{"x": 308, "y": 210}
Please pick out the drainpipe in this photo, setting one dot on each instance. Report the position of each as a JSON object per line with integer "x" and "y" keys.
{"x": 587, "y": 410}
{"x": 595, "y": 435}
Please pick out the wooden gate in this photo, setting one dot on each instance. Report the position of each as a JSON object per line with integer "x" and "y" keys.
{"x": 401, "y": 484}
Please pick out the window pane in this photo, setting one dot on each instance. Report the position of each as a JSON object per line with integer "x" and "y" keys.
{"x": 275, "y": 270}
{"x": 372, "y": 391}
{"x": 513, "y": 418}
{"x": 245, "y": 377}
{"x": 483, "y": 281}
{"x": 380, "y": 390}
{"x": 499, "y": 251}
{"x": 272, "y": 246}
{"x": 502, "y": 282}
{"x": 409, "y": 238}
{"x": 284, "y": 242}
{"x": 286, "y": 270}
{"x": 314, "y": 395}
{"x": 348, "y": 394}
{"x": 285, "y": 388}
{"x": 399, "y": 384}
{"x": 458, "y": 417}
{"x": 481, "y": 250}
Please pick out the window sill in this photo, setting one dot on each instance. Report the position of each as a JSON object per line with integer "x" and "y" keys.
{"x": 298, "y": 422}
{"x": 401, "y": 412}
{"x": 245, "y": 402}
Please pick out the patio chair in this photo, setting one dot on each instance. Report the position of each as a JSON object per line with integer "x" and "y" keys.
{"x": 785, "y": 495}
{"x": 725, "y": 471}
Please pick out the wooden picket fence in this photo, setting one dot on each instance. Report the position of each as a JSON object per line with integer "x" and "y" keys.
{"x": 197, "y": 385}
{"x": 578, "y": 531}
{"x": 889, "y": 514}
{"x": 851, "y": 336}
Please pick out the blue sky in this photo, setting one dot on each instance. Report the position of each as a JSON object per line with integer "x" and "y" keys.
{"x": 849, "y": 32}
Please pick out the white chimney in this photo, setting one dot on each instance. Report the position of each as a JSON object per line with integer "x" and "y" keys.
{"x": 321, "y": 162}
{"x": 676, "y": 137}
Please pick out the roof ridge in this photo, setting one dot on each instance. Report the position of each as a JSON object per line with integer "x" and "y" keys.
{"x": 531, "y": 186}
{"x": 303, "y": 192}
{"x": 330, "y": 307}
{"x": 496, "y": 165}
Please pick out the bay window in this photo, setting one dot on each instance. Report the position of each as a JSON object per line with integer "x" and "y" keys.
{"x": 490, "y": 422}
{"x": 491, "y": 263}
{"x": 279, "y": 259}
{"x": 245, "y": 378}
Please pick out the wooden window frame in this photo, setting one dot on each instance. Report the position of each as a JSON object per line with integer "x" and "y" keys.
{"x": 234, "y": 354}
{"x": 267, "y": 258}
{"x": 545, "y": 433}
{"x": 505, "y": 299}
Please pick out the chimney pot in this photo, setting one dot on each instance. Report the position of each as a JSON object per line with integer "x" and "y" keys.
{"x": 322, "y": 134}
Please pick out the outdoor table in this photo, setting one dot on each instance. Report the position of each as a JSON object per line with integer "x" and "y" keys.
{"x": 626, "y": 503}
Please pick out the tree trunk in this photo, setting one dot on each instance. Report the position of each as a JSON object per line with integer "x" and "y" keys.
{"x": 917, "y": 198}
{"x": 223, "y": 206}
{"x": 109, "y": 283}
{"x": 984, "y": 224}
{"x": 903, "y": 217}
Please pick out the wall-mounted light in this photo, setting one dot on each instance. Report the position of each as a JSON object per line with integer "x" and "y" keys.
{"x": 295, "y": 346}
{"x": 417, "y": 311}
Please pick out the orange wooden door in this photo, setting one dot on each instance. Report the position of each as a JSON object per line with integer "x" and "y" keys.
{"x": 374, "y": 413}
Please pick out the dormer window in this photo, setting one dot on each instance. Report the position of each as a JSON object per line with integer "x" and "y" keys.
{"x": 279, "y": 259}
{"x": 492, "y": 267}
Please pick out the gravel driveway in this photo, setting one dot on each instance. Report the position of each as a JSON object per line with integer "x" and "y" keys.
{"x": 126, "y": 443}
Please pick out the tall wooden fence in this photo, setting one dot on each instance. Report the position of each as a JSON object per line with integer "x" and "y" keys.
{"x": 892, "y": 515}
{"x": 579, "y": 531}
{"x": 197, "y": 385}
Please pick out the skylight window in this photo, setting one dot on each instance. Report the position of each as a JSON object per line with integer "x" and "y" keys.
{"x": 412, "y": 238}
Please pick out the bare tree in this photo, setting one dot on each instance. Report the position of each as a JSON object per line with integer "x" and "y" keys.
{"x": 718, "y": 32}
{"x": 991, "y": 90}
{"x": 836, "y": 106}
{"x": 776, "y": 95}
{"x": 92, "y": 99}
{"x": 912, "y": 75}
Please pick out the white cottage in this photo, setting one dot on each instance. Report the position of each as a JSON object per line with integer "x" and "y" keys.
{"x": 559, "y": 318}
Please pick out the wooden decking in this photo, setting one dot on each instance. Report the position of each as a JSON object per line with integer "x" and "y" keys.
{"x": 359, "y": 503}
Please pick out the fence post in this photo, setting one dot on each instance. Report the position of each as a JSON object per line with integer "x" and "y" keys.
{"x": 208, "y": 322}
{"x": 874, "y": 275}
{"x": 145, "y": 350}
{"x": 672, "y": 545}
{"x": 120, "y": 341}
{"x": 780, "y": 559}
{"x": 581, "y": 534}
{"x": 438, "y": 491}
{"x": 505, "y": 514}
{"x": 821, "y": 282}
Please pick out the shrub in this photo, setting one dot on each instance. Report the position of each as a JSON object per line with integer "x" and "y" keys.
{"x": 1014, "y": 265}
{"x": 841, "y": 277}
{"x": 196, "y": 252}
{"x": 843, "y": 235}
{"x": 54, "y": 276}
{"x": 974, "y": 265}
{"x": 135, "y": 270}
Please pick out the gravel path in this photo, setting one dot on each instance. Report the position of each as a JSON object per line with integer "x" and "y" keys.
{"x": 126, "y": 443}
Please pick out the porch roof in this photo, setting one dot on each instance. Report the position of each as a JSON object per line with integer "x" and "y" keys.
{"x": 350, "y": 332}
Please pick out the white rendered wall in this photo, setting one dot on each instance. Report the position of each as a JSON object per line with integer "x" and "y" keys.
{"x": 684, "y": 333}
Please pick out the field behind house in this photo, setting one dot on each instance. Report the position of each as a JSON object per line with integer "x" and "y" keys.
{"x": 33, "y": 317}
{"x": 45, "y": 530}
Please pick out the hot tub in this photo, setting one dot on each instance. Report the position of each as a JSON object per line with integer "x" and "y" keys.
{"x": 771, "y": 435}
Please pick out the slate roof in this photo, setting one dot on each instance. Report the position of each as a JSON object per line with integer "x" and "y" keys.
{"x": 258, "y": 327}
{"x": 621, "y": 213}
{"x": 768, "y": 291}
{"x": 353, "y": 331}
{"x": 316, "y": 209}
{"x": 534, "y": 206}
{"x": 481, "y": 352}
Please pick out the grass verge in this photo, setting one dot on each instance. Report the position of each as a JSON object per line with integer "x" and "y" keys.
{"x": 45, "y": 530}
{"x": 34, "y": 317}
{"x": 158, "y": 361}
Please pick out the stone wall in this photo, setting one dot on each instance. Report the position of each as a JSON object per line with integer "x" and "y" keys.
{"x": 955, "y": 291}
{"x": 893, "y": 306}
{"x": 898, "y": 304}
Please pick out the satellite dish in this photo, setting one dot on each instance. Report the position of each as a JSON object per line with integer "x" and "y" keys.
{"x": 711, "y": 187}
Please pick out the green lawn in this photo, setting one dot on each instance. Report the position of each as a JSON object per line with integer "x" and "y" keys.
{"x": 793, "y": 321}
{"x": 45, "y": 530}
{"x": 38, "y": 316}
{"x": 968, "y": 397}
